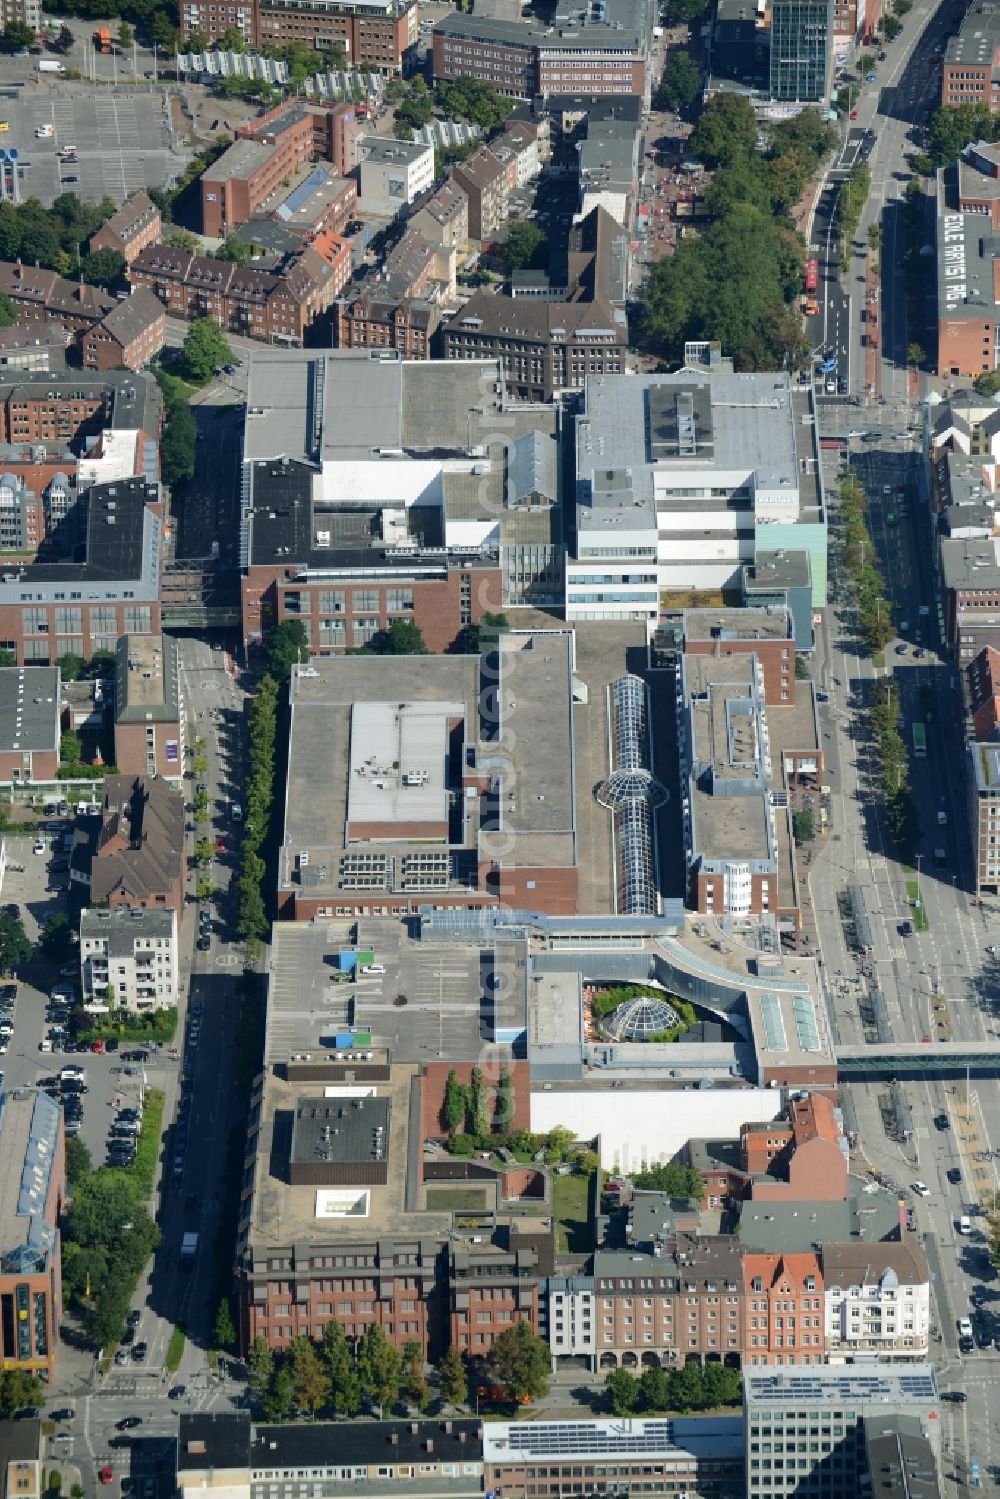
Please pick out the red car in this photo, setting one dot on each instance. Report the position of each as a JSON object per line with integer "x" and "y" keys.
{"x": 854, "y": 114}
{"x": 97, "y": 1046}
{"x": 106, "y": 1474}
{"x": 220, "y": 845}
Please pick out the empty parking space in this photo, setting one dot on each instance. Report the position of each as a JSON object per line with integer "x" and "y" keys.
{"x": 123, "y": 141}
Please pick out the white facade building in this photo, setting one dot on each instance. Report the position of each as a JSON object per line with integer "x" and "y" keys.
{"x": 876, "y": 1301}
{"x": 134, "y": 952}
{"x": 392, "y": 173}
{"x": 714, "y": 464}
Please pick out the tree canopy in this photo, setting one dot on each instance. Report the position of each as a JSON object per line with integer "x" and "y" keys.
{"x": 525, "y": 245}
{"x": 15, "y": 948}
{"x": 205, "y": 350}
{"x": 468, "y": 99}
{"x": 520, "y": 1362}
{"x": 681, "y": 81}
{"x": 286, "y": 644}
{"x": 736, "y": 282}
{"x": 674, "y": 1179}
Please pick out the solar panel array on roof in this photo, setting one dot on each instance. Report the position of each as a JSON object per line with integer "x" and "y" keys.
{"x": 549, "y": 1439}
{"x": 789, "y": 1387}
{"x": 774, "y": 1026}
{"x": 805, "y": 1023}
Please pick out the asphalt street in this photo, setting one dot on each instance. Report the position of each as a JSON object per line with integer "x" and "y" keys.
{"x": 186, "y": 1200}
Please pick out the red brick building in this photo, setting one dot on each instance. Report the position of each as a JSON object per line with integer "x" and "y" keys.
{"x": 783, "y": 1313}
{"x": 983, "y": 677}
{"x": 251, "y": 303}
{"x": 522, "y": 59}
{"x": 131, "y": 228}
{"x": 33, "y": 1144}
{"x": 375, "y": 38}
{"x": 334, "y": 129}
{"x": 138, "y": 857}
{"x": 798, "y": 1158}
{"x": 149, "y": 721}
{"x": 765, "y": 633}
{"x": 29, "y": 724}
{"x": 128, "y": 337}
{"x": 45, "y": 297}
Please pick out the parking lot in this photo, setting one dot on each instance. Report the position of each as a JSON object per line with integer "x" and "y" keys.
{"x": 123, "y": 138}
{"x": 112, "y": 1081}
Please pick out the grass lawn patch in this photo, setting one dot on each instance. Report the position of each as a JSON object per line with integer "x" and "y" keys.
{"x": 160, "y": 1027}
{"x": 917, "y": 906}
{"x": 456, "y": 1199}
{"x": 570, "y": 1197}
{"x": 175, "y": 1349}
{"x": 143, "y": 1169}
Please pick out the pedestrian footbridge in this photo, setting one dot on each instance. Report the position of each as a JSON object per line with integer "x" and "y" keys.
{"x": 887, "y": 1060}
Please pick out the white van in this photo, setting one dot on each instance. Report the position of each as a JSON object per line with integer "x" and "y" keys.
{"x": 373, "y": 968}
{"x": 964, "y": 1225}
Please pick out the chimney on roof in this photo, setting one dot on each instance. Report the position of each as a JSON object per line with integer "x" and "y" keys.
{"x": 429, "y": 1444}
{"x": 394, "y": 1438}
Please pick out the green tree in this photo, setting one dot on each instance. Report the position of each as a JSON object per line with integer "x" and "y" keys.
{"x": 235, "y": 250}
{"x": 521, "y": 1362}
{"x": 231, "y": 40}
{"x": 205, "y": 350}
{"x": 180, "y": 433}
{"x": 338, "y": 1357}
{"x": 415, "y": 1387}
{"x": 16, "y": 36}
{"x": 479, "y": 1104}
{"x": 224, "y": 1330}
{"x": 126, "y": 36}
{"x": 891, "y": 27}
{"x": 162, "y": 30}
{"x": 504, "y": 1100}
{"x": 378, "y": 1368}
{"x": 101, "y": 664}
{"x": 78, "y": 1163}
{"x": 195, "y": 41}
{"x": 279, "y": 1397}
{"x": 988, "y": 385}
{"x": 286, "y": 644}
{"x": 454, "y": 1378}
{"x": 802, "y": 826}
{"x": 260, "y": 1362}
{"x": 8, "y": 312}
{"x": 204, "y": 850}
{"x": 681, "y": 12}
{"x": 455, "y": 1104}
{"x": 673, "y": 1179}
{"x": 309, "y": 1379}
{"x": 654, "y": 1390}
{"x": 15, "y": 949}
{"x": 402, "y": 638}
{"x": 915, "y": 354}
{"x": 623, "y": 1392}
{"x": 525, "y": 245}
{"x": 102, "y": 268}
{"x": 18, "y": 1388}
{"x": 726, "y": 130}
{"x": 70, "y": 666}
{"x": 56, "y": 942}
{"x": 681, "y": 82}
{"x": 70, "y": 748}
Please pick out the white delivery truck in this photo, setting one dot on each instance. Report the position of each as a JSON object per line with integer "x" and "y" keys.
{"x": 50, "y": 65}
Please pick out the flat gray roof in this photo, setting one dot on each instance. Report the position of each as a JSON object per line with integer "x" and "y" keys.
{"x": 737, "y": 624}
{"x": 316, "y": 405}
{"x": 146, "y": 680}
{"x": 29, "y": 708}
{"x": 120, "y": 924}
{"x": 748, "y": 425}
{"x": 522, "y": 730}
{"x": 972, "y": 564}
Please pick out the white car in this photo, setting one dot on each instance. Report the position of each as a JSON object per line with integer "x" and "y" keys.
{"x": 856, "y": 432}
{"x": 39, "y": 847}
{"x": 921, "y": 1189}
